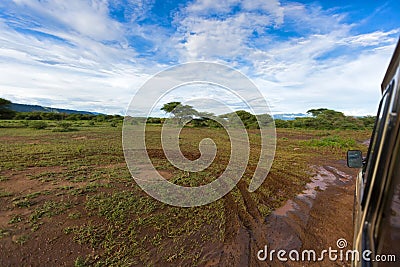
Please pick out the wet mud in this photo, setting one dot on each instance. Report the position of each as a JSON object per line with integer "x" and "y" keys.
{"x": 313, "y": 219}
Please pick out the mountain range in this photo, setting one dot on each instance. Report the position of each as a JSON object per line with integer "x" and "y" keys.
{"x": 289, "y": 116}
{"x": 36, "y": 108}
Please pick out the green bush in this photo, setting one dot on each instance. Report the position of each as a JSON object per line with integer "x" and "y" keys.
{"x": 153, "y": 120}
{"x": 332, "y": 141}
{"x": 38, "y": 125}
{"x": 327, "y": 119}
{"x": 282, "y": 123}
{"x": 64, "y": 127}
{"x": 199, "y": 122}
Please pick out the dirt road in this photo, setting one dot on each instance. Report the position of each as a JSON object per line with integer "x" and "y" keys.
{"x": 314, "y": 220}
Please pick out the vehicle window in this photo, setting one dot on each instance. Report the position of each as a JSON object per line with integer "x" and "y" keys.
{"x": 376, "y": 140}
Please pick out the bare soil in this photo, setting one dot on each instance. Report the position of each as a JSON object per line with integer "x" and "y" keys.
{"x": 314, "y": 219}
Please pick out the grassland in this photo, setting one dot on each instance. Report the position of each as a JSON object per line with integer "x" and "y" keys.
{"x": 67, "y": 197}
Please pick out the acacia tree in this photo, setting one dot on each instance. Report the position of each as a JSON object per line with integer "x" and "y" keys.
{"x": 169, "y": 107}
{"x": 5, "y": 111}
{"x": 315, "y": 112}
{"x": 179, "y": 111}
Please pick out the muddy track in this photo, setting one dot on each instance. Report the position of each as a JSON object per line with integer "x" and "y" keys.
{"x": 244, "y": 231}
{"x": 307, "y": 221}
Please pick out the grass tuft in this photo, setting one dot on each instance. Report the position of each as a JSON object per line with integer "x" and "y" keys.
{"x": 332, "y": 142}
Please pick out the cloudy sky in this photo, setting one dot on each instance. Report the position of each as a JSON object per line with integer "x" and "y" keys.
{"x": 94, "y": 54}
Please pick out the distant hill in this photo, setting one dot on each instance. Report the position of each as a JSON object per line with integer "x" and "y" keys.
{"x": 37, "y": 108}
{"x": 289, "y": 116}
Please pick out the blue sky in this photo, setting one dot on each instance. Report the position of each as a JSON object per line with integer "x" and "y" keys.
{"x": 94, "y": 55}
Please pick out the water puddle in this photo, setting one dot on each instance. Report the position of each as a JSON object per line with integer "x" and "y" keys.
{"x": 286, "y": 224}
{"x": 289, "y": 206}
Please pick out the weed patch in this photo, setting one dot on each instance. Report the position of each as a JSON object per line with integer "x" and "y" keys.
{"x": 20, "y": 240}
{"x": 332, "y": 142}
{"x": 5, "y": 193}
{"x": 15, "y": 219}
{"x": 22, "y": 203}
{"x": 4, "y": 233}
{"x": 48, "y": 209}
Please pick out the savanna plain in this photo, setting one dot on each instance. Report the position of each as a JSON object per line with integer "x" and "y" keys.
{"x": 67, "y": 198}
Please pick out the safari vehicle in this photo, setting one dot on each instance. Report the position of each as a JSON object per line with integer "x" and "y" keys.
{"x": 377, "y": 196}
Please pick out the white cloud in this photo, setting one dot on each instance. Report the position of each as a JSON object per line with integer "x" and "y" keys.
{"x": 293, "y": 60}
{"x": 81, "y": 73}
{"x": 273, "y": 7}
{"x": 249, "y": 33}
{"x": 76, "y": 55}
{"x": 89, "y": 18}
{"x": 371, "y": 39}
{"x": 205, "y": 7}
{"x": 70, "y": 88}
{"x": 229, "y": 37}
{"x": 305, "y": 75}
{"x": 210, "y": 38}
{"x": 348, "y": 85}
{"x": 133, "y": 10}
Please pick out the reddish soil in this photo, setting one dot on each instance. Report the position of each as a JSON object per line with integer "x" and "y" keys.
{"x": 314, "y": 219}
{"x": 48, "y": 238}
{"x": 21, "y": 182}
{"x": 48, "y": 246}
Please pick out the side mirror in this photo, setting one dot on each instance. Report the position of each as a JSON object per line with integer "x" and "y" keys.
{"x": 354, "y": 159}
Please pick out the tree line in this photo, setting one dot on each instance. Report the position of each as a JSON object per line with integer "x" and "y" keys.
{"x": 181, "y": 113}
{"x": 318, "y": 119}
{"x": 327, "y": 119}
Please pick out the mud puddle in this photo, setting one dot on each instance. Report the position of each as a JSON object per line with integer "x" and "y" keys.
{"x": 287, "y": 224}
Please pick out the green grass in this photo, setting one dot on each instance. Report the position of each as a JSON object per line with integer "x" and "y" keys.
{"x": 80, "y": 262}
{"x": 48, "y": 209}
{"x": 91, "y": 187}
{"x": 16, "y": 219}
{"x": 75, "y": 215}
{"x": 33, "y": 195}
{"x": 4, "y": 233}
{"x": 38, "y": 125}
{"x": 332, "y": 142}
{"x": 5, "y": 193}
{"x": 22, "y": 203}
{"x": 20, "y": 240}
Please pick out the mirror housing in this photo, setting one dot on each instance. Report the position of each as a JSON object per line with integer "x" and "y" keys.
{"x": 354, "y": 159}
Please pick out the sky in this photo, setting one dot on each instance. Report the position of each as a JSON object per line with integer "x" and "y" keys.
{"x": 95, "y": 54}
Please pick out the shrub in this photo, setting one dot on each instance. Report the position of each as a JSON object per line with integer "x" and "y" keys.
{"x": 332, "y": 141}
{"x": 38, "y": 125}
{"x": 64, "y": 127}
{"x": 282, "y": 123}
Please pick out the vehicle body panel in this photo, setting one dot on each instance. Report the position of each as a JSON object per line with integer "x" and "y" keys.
{"x": 377, "y": 203}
